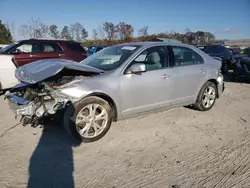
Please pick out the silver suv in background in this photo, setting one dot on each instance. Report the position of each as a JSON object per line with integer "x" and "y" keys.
{"x": 117, "y": 82}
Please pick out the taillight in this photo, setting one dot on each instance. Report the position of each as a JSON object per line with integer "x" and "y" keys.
{"x": 84, "y": 54}
{"x": 14, "y": 62}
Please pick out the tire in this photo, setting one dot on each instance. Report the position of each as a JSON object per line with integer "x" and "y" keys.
{"x": 199, "y": 105}
{"x": 74, "y": 112}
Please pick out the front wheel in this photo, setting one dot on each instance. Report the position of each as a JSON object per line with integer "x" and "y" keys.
{"x": 207, "y": 97}
{"x": 88, "y": 120}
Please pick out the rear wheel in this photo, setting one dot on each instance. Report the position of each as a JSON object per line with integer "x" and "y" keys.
{"x": 88, "y": 120}
{"x": 207, "y": 97}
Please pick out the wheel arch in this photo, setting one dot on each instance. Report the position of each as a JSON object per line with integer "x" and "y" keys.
{"x": 215, "y": 83}
{"x": 108, "y": 99}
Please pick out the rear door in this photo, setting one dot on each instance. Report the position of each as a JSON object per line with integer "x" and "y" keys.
{"x": 26, "y": 52}
{"x": 190, "y": 73}
{"x": 50, "y": 50}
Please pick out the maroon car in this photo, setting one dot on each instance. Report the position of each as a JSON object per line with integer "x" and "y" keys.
{"x": 27, "y": 51}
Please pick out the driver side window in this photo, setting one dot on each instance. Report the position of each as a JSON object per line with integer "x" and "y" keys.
{"x": 27, "y": 48}
{"x": 154, "y": 58}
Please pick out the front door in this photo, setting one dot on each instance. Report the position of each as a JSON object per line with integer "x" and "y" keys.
{"x": 26, "y": 53}
{"x": 148, "y": 90}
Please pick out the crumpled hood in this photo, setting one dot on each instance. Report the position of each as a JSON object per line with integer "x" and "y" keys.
{"x": 43, "y": 69}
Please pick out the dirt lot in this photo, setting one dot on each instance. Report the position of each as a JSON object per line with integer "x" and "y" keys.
{"x": 177, "y": 148}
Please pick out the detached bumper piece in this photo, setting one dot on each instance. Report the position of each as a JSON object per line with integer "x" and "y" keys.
{"x": 20, "y": 106}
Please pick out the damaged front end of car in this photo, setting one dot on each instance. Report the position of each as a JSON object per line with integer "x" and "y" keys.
{"x": 46, "y": 87}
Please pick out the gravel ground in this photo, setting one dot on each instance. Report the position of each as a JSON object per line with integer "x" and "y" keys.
{"x": 177, "y": 148}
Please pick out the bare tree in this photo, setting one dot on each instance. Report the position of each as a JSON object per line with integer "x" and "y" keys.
{"x": 101, "y": 32}
{"x": 34, "y": 29}
{"x": 95, "y": 34}
{"x": 125, "y": 31}
{"x": 72, "y": 31}
{"x": 110, "y": 30}
{"x": 143, "y": 32}
{"x": 85, "y": 34}
{"x": 78, "y": 32}
{"x": 187, "y": 30}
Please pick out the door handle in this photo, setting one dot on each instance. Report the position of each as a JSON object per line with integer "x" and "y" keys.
{"x": 166, "y": 76}
{"x": 202, "y": 71}
{"x": 33, "y": 55}
{"x": 61, "y": 55}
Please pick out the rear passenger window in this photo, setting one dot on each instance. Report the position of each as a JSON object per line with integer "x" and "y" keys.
{"x": 73, "y": 46}
{"x": 50, "y": 47}
{"x": 185, "y": 56}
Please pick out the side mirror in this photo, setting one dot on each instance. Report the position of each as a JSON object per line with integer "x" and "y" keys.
{"x": 137, "y": 67}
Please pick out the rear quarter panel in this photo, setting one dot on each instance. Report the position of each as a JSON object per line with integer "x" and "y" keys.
{"x": 211, "y": 65}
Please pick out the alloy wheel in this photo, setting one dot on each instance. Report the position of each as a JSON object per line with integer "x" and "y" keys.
{"x": 209, "y": 96}
{"x": 91, "y": 120}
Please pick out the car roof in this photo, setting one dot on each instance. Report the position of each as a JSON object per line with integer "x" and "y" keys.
{"x": 48, "y": 40}
{"x": 151, "y": 43}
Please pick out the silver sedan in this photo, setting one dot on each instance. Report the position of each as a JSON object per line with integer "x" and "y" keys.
{"x": 117, "y": 82}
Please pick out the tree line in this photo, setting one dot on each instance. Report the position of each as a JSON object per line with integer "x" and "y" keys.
{"x": 108, "y": 33}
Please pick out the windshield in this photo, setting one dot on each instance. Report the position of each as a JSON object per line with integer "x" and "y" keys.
{"x": 8, "y": 47}
{"x": 213, "y": 49}
{"x": 110, "y": 58}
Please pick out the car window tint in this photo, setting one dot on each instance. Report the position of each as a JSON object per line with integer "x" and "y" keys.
{"x": 213, "y": 49}
{"x": 185, "y": 56}
{"x": 73, "y": 46}
{"x": 154, "y": 58}
{"x": 50, "y": 47}
{"x": 27, "y": 48}
{"x": 110, "y": 58}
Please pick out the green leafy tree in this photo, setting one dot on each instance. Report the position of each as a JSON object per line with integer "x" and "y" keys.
{"x": 5, "y": 35}
{"x": 65, "y": 33}
{"x": 53, "y": 31}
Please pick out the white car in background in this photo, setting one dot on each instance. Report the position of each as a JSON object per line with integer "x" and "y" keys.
{"x": 7, "y": 72}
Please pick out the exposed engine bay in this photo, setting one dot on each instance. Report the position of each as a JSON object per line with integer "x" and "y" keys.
{"x": 34, "y": 101}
